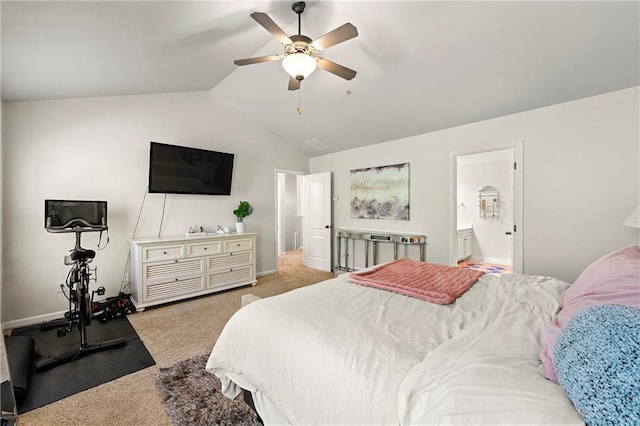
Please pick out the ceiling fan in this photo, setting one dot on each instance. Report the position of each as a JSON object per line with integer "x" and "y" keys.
{"x": 299, "y": 59}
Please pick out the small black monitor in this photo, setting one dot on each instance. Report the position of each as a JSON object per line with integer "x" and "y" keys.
{"x": 75, "y": 214}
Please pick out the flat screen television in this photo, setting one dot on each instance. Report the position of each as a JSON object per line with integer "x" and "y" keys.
{"x": 72, "y": 214}
{"x": 182, "y": 170}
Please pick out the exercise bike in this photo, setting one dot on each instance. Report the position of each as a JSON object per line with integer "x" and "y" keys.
{"x": 80, "y": 299}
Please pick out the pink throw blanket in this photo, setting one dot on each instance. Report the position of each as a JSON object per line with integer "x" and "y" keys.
{"x": 427, "y": 281}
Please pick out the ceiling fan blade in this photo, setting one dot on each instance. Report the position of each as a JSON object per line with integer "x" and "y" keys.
{"x": 294, "y": 84}
{"x": 257, "y": 60}
{"x": 337, "y": 69}
{"x": 340, "y": 34}
{"x": 268, "y": 24}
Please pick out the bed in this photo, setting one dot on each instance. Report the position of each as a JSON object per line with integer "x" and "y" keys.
{"x": 338, "y": 352}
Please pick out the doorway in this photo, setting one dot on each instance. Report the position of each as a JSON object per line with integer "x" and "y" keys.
{"x": 486, "y": 210}
{"x": 289, "y": 230}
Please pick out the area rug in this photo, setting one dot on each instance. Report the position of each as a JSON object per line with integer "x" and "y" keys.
{"x": 488, "y": 268}
{"x": 192, "y": 396}
{"x": 86, "y": 372}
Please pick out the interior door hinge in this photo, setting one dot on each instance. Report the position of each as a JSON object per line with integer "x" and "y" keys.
{"x": 515, "y": 165}
{"x": 515, "y": 228}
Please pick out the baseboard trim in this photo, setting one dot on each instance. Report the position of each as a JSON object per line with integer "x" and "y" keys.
{"x": 263, "y": 273}
{"x": 39, "y": 319}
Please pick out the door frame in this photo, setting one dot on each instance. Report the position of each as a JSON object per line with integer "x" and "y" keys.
{"x": 277, "y": 206}
{"x": 518, "y": 197}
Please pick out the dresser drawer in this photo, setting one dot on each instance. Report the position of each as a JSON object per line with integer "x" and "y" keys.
{"x": 173, "y": 288}
{"x": 203, "y": 249}
{"x": 170, "y": 270}
{"x": 238, "y": 245}
{"x": 155, "y": 253}
{"x": 229, "y": 260}
{"x": 231, "y": 276}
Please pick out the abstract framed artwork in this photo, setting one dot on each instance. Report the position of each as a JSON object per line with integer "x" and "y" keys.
{"x": 380, "y": 192}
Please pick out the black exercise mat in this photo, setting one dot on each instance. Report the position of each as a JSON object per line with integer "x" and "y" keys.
{"x": 85, "y": 372}
{"x": 20, "y": 356}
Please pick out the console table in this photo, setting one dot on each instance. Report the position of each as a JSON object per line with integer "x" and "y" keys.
{"x": 374, "y": 238}
{"x": 166, "y": 269}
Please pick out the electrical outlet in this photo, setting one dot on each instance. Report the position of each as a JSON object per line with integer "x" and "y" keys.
{"x": 125, "y": 277}
{"x": 59, "y": 285}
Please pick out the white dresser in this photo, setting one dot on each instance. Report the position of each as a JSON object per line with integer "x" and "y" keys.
{"x": 166, "y": 269}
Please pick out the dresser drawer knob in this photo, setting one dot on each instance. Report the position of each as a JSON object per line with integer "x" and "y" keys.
{"x": 164, "y": 252}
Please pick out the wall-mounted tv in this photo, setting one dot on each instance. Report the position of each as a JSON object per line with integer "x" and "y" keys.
{"x": 182, "y": 170}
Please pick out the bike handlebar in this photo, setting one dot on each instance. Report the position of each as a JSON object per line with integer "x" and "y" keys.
{"x": 75, "y": 225}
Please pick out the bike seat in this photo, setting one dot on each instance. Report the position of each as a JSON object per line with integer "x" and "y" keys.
{"x": 82, "y": 254}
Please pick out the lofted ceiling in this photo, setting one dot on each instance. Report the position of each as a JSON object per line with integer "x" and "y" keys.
{"x": 422, "y": 66}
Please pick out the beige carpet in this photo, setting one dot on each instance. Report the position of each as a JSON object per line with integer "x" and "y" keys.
{"x": 171, "y": 333}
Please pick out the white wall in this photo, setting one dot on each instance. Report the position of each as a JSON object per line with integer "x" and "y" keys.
{"x": 581, "y": 179}
{"x": 99, "y": 149}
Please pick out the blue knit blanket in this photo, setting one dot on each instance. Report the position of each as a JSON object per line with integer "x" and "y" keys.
{"x": 597, "y": 361}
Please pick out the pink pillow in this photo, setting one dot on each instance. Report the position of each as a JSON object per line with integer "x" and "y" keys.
{"x": 612, "y": 279}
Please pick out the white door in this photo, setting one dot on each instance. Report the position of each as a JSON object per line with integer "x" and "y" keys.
{"x": 317, "y": 221}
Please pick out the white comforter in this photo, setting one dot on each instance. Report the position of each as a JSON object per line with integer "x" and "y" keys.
{"x": 488, "y": 375}
{"x": 339, "y": 353}
{"x": 334, "y": 352}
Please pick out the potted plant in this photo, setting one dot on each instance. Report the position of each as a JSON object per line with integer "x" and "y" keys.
{"x": 244, "y": 209}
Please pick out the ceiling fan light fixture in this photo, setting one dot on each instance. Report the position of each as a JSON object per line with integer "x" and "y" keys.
{"x": 299, "y": 50}
{"x": 299, "y": 65}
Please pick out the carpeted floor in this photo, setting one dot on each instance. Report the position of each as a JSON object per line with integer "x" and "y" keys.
{"x": 172, "y": 333}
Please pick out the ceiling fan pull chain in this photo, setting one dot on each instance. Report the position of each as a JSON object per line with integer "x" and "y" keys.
{"x": 299, "y": 108}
